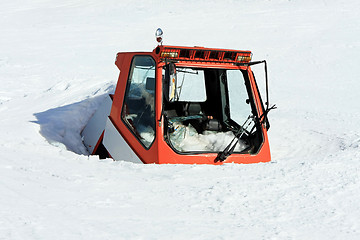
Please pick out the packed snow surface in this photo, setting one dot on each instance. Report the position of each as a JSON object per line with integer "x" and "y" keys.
{"x": 57, "y": 64}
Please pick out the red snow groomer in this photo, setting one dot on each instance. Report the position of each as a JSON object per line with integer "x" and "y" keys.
{"x": 189, "y": 105}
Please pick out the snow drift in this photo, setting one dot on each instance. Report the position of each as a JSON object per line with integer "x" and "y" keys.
{"x": 57, "y": 61}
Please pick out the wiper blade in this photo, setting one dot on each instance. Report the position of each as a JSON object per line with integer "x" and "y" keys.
{"x": 231, "y": 147}
{"x": 223, "y": 155}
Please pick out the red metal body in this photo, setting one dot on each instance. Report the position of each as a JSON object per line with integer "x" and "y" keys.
{"x": 159, "y": 151}
{"x": 114, "y": 133}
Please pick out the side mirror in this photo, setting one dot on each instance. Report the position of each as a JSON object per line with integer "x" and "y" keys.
{"x": 170, "y": 83}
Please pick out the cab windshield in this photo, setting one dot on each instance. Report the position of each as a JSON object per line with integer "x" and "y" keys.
{"x": 205, "y": 108}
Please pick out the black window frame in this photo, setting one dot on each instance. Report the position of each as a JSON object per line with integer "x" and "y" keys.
{"x": 250, "y": 92}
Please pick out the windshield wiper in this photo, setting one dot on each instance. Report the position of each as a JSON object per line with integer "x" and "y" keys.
{"x": 231, "y": 147}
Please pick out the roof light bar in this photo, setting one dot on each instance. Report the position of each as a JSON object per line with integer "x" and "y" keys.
{"x": 205, "y": 54}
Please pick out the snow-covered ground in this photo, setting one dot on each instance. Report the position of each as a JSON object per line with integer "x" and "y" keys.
{"x": 57, "y": 62}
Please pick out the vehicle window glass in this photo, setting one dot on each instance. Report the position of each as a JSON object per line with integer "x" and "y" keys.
{"x": 190, "y": 85}
{"x": 138, "y": 111}
{"x": 238, "y": 96}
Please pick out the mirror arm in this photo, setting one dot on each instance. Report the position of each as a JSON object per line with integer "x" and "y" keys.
{"x": 267, "y": 85}
{"x": 267, "y": 103}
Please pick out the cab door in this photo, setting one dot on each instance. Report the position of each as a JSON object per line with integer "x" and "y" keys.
{"x": 134, "y": 124}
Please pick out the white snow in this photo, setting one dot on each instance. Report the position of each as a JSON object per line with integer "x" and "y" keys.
{"x": 186, "y": 139}
{"x": 57, "y": 62}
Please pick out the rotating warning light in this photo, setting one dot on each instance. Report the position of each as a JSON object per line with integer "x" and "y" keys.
{"x": 158, "y": 35}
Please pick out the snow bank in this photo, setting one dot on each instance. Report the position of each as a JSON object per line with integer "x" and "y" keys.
{"x": 63, "y": 125}
{"x": 56, "y": 62}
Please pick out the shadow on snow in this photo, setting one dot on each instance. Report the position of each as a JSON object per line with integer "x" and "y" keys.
{"x": 63, "y": 125}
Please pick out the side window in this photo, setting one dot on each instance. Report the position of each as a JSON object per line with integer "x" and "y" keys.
{"x": 138, "y": 111}
{"x": 240, "y": 109}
